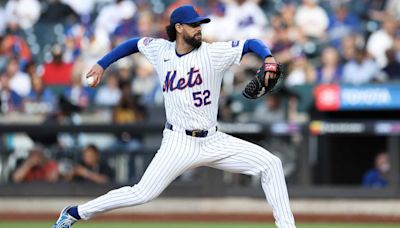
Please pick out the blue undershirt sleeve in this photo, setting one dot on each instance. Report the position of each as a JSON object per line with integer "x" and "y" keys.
{"x": 126, "y": 48}
{"x": 256, "y": 46}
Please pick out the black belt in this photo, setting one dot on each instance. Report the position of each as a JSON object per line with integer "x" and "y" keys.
{"x": 193, "y": 133}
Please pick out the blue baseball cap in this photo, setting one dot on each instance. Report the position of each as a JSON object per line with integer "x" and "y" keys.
{"x": 186, "y": 14}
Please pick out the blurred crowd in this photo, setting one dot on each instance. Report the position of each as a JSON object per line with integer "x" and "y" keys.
{"x": 46, "y": 47}
{"x": 38, "y": 167}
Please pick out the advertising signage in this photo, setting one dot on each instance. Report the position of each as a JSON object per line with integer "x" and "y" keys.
{"x": 366, "y": 97}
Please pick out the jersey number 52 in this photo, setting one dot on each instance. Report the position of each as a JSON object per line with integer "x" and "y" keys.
{"x": 201, "y": 98}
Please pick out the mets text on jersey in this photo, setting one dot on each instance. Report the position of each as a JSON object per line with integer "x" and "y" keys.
{"x": 194, "y": 78}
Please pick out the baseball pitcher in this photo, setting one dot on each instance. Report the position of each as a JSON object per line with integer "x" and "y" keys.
{"x": 190, "y": 72}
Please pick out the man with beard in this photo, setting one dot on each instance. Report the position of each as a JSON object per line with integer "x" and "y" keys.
{"x": 190, "y": 72}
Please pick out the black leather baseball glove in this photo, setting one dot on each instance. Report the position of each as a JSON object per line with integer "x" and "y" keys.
{"x": 256, "y": 87}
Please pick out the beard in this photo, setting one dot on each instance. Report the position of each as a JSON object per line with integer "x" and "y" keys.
{"x": 193, "y": 41}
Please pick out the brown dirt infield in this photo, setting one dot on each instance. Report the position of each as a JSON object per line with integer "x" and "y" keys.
{"x": 208, "y": 217}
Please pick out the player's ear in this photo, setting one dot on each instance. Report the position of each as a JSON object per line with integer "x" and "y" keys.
{"x": 178, "y": 27}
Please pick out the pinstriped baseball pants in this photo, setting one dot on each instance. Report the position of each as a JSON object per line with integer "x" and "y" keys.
{"x": 180, "y": 152}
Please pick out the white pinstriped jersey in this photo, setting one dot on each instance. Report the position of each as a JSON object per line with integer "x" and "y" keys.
{"x": 191, "y": 86}
{"x": 191, "y": 83}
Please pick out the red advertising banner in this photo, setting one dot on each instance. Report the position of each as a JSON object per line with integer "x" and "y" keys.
{"x": 327, "y": 97}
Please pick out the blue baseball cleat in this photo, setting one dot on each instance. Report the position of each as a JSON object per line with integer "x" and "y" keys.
{"x": 65, "y": 220}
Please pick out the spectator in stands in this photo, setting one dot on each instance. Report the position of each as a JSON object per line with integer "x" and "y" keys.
{"x": 10, "y": 101}
{"x": 36, "y": 167}
{"x": 377, "y": 177}
{"x": 25, "y": 12}
{"x": 282, "y": 43}
{"x": 20, "y": 82}
{"x": 93, "y": 46}
{"x": 126, "y": 27}
{"x": 125, "y": 74}
{"x": 348, "y": 46}
{"x": 127, "y": 111}
{"x": 392, "y": 69}
{"x": 57, "y": 72}
{"x": 373, "y": 10}
{"x": 249, "y": 17}
{"x": 73, "y": 43}
{"x": 31, "y": 69}
{"x": 331, "y": 69}
{"x": 226, "y": 113}
{"x": 111, "y": 15}
{"x": 396, "y": 47}
{"x": 288, "y": 13}
{"x": 382, "y": 40}
{"x": 91, "y": 168}
{"x": 109, "y": 94}
{"x": 312, "y": 19}
{"x": 40, "y": 100}
{"x": 15, "y": 45}
{"x": 302, "y": 72}
{"x": 82, "y": 8}
{"x": 212, "y": 31}
{"x": 289, "y": 37}
{"x": 393, "y": 8}
{"x": 342, "y": 23}
{"x": 3, "y": 57}
{"x": 2, "y": 21}
{"x": 145, "y": 24}
{"x": 77, "y": 94}
{"x": 361, "y": 69}
{"x": 57, "y": 12}
{"x": 145, "y": 84}
{"x": 272, "y": 110}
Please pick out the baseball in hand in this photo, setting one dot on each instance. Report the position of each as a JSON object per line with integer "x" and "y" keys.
{"x": 90, "y": 80}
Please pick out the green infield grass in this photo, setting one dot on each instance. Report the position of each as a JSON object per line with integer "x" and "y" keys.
{"x": 98, "y": 224}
